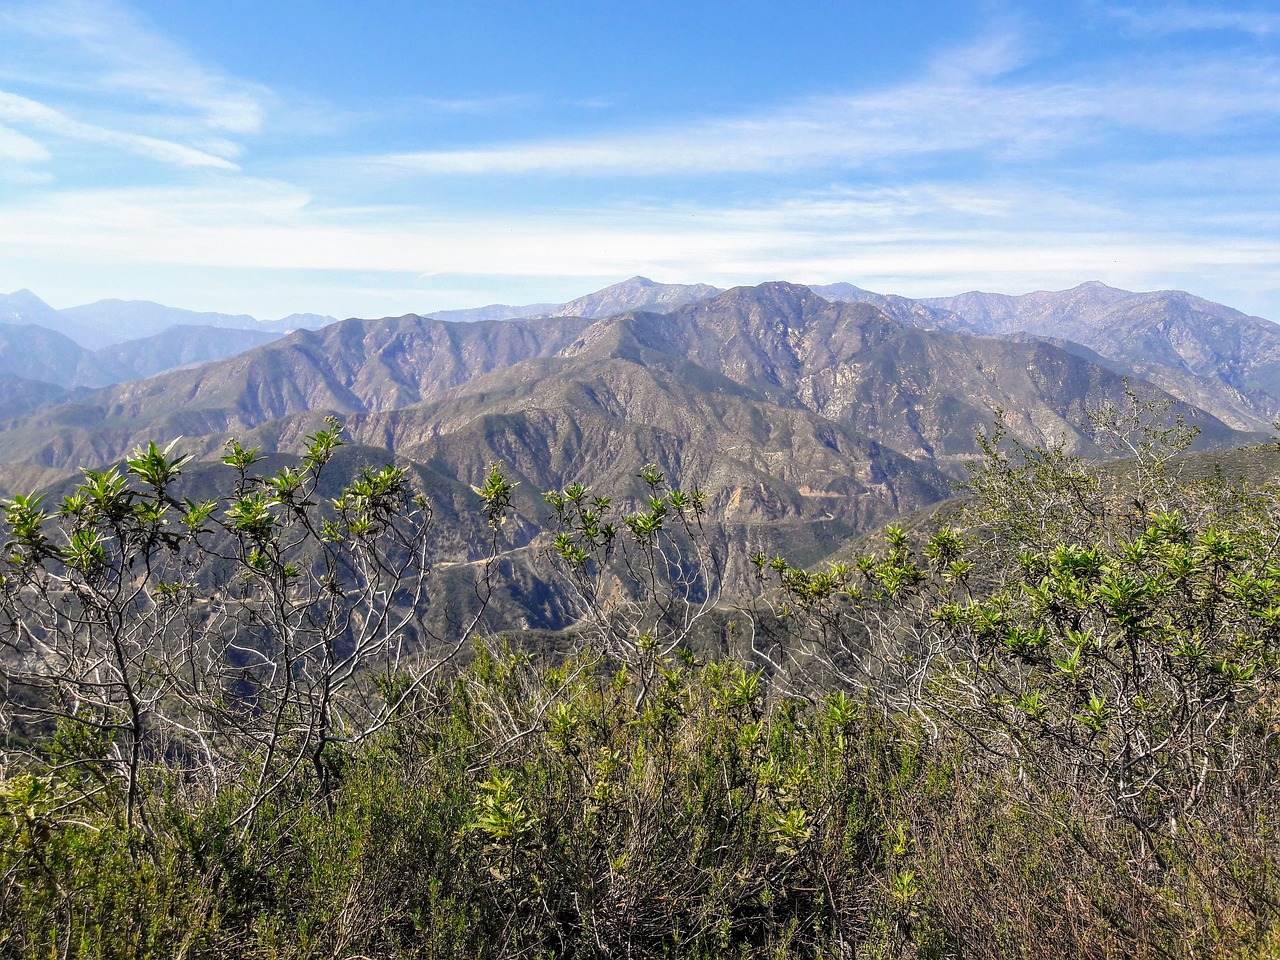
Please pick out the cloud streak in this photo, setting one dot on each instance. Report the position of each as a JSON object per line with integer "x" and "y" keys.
{"x": 18, "y": 148}
{"x": 957, "y": 108}
{"x": 917, "y": 241}
{"x": 92, "y": 72}
{"x": 103, "y": 43}
{"x": 1180, "y": 18}
{"x": 22, "y": 111}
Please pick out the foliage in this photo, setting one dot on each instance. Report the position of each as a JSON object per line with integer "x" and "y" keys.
{"x": 225, "y": 637}
{"x": 1047, "y": 725}
{"x": 641, "y": 587}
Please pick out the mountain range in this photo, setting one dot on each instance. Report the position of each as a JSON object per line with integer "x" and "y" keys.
{"x": 108, "y": 322}
{"x": 808, "y": 414}
{"x": 790, "y": 406}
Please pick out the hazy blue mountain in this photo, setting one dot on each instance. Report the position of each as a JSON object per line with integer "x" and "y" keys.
{"x": 34, "y": 352}
{"x": 297, "y": 321}
{"x": 913, "y": 312}
{"x": 638, "y": 293}
{"x": 182, "y": 346}
{"x": 25, "y": 308}
{"x": 494, "y": 311}
{"x": 108, "y": 322}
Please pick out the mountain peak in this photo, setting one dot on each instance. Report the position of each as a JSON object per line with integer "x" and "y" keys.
{"x": 786, "y": 287}
{"x": 23, "y": 306}
{"x": 771, "y": 292}
{"x": 637, "y": 293}
{"x": 25, "y": 298}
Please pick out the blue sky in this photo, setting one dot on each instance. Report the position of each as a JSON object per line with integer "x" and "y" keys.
{"x": 377, "y": 158}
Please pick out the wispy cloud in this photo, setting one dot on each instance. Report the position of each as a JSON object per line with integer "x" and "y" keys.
{"x": 93, "y": 72}
{"x": 921, "y": 240}
{"x": 987, "y": 169}
{"x": 1183, "y": 18}
{"x": 18, "y": 148}
{"x": 476, "y": 105}
{"x": 104, "y": 43}
{"x": 967, "y": 102}
{"x": 22, "y": 111}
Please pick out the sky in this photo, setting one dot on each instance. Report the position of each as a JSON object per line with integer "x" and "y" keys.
{"x": 377, "y": 158}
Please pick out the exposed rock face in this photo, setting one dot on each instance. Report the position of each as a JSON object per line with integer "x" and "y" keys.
{"x": 757, "y": 386}
{"x": 1204, "y": 353}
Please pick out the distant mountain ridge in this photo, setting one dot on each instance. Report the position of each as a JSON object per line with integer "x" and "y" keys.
{"x": 637, "y": 293}
{"x": 807, "y": 415}
{"x": 37, "y": 353}
{"x": 112, "y": 320}
{"x": 182, "y": 346}
{"x": 1202, "y": 352}
{"x": 114, "y": 341}
{"x": 409, "y": 383}
{"x": 108, "y": 322}
{"x": 1208, "y": 355}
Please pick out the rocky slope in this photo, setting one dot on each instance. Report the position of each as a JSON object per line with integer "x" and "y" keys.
{"x": 1224, "y": 357}
{"x": 1203, "y": 353}
{"x": 736, "y": 372}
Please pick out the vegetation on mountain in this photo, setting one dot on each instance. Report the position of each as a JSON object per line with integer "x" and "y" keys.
{"x": 257, "y": 704}
{"x": 1047, "y": 725}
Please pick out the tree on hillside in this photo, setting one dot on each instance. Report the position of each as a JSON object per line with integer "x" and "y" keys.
{"x": 234, "y": 638}
{"x": 640, "y": 586}
{"x": 1115, "y": 627}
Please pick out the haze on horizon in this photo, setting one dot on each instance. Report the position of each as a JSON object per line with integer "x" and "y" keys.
{"x": 278, "y": 158}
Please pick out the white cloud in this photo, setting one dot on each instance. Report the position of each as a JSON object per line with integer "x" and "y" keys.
{"x": 916, "y": 241}
{"x": 967, "y": 102}
{"x": 19, "y": 148}
{"x": 1016, "y": 226}
{"x": 476, "y": 105}
{"x": 103, "y": 43}
{"x": 23, "y": 111}
{"x": 1181, "y": 18}
{"x": 93, "y": 71}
